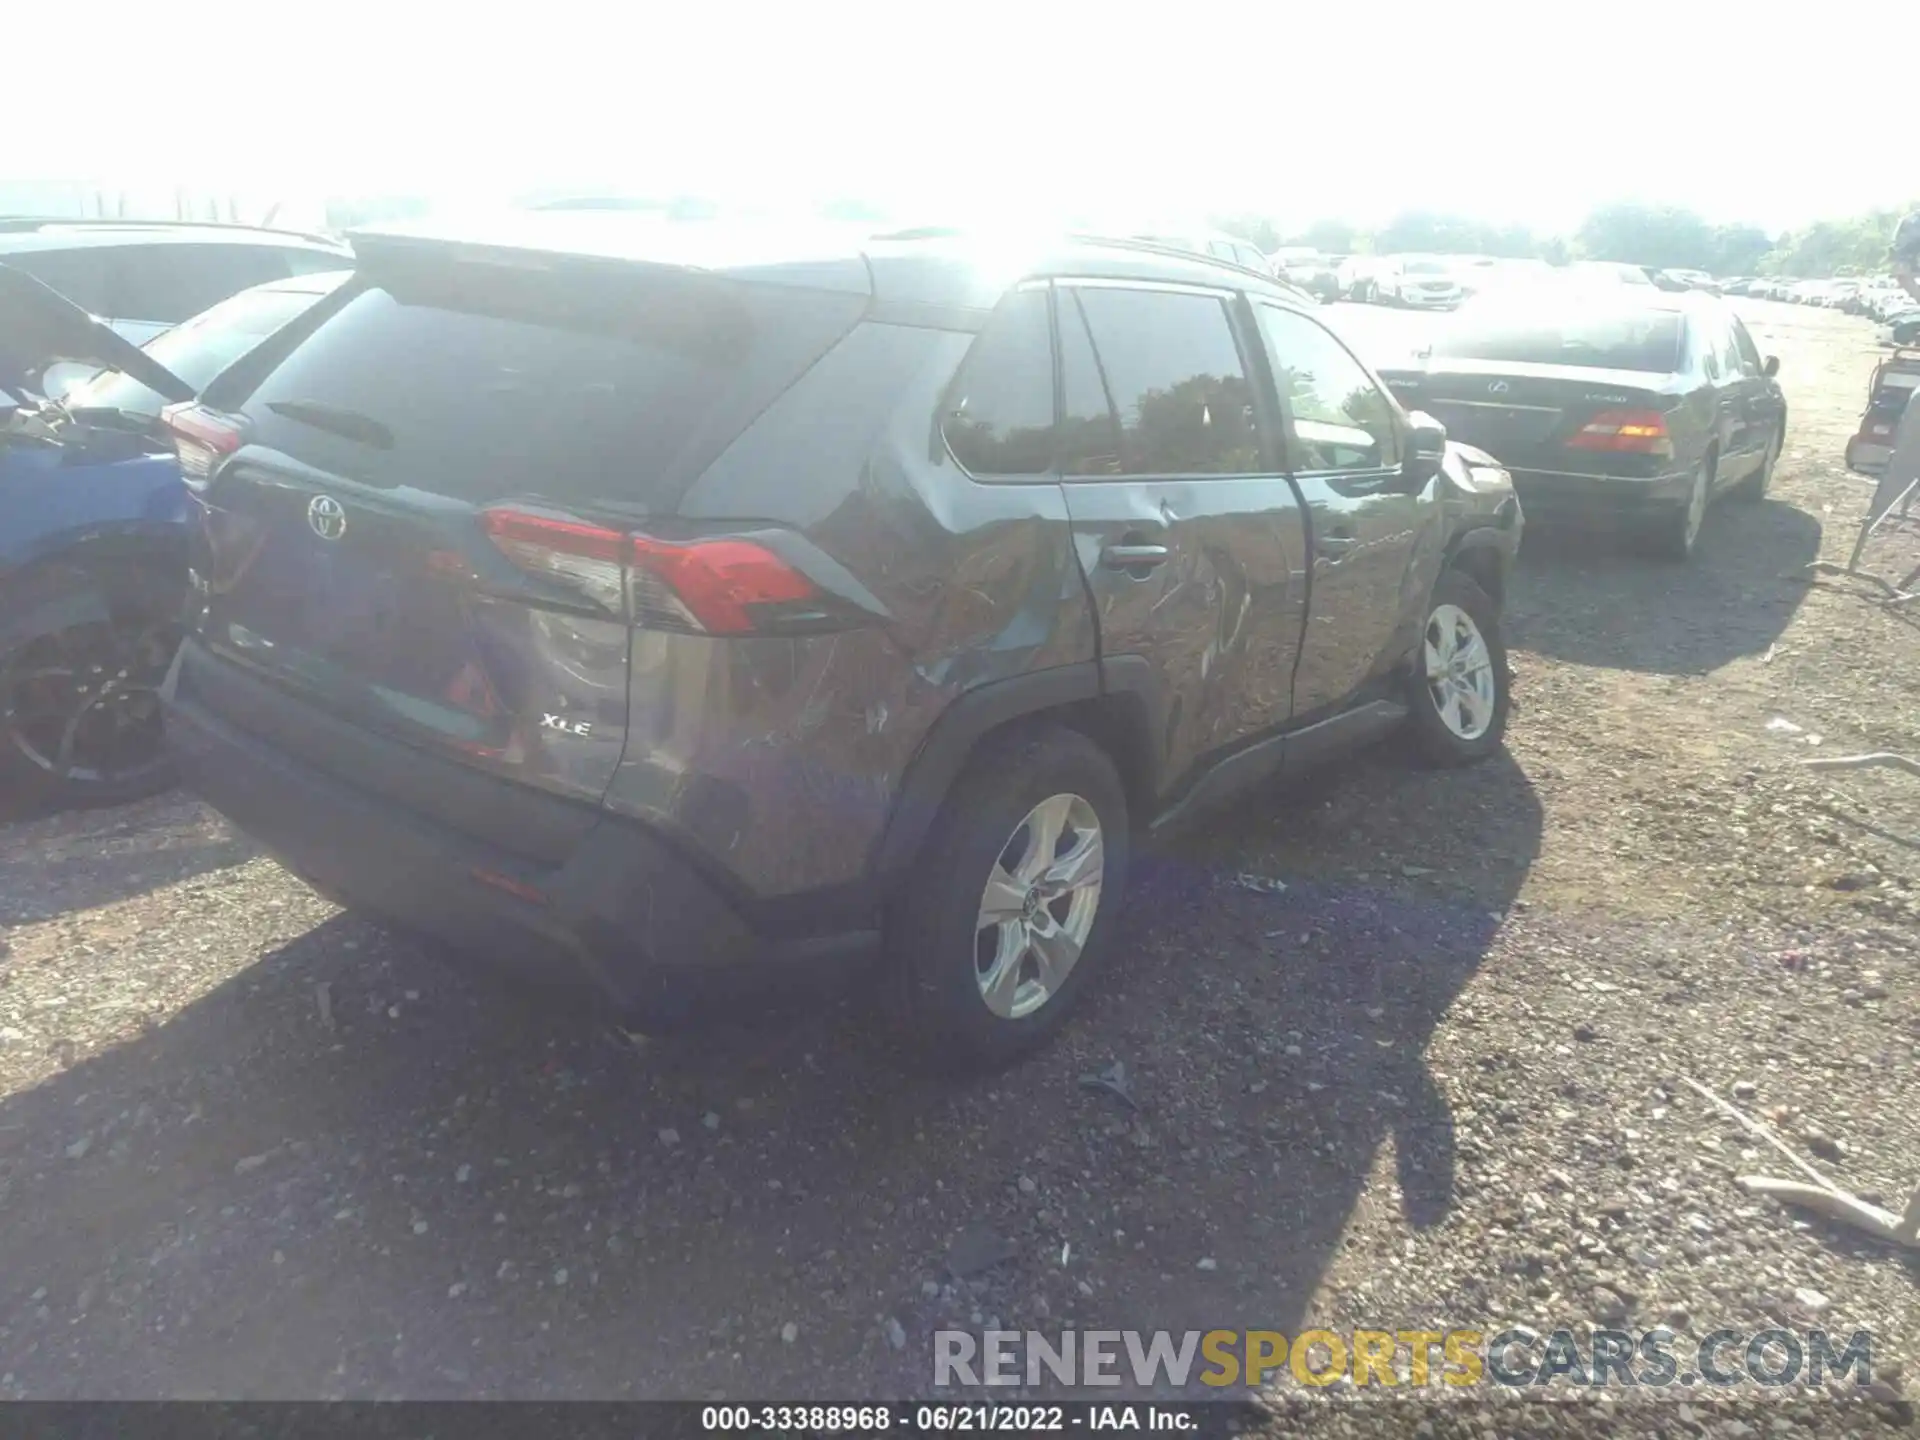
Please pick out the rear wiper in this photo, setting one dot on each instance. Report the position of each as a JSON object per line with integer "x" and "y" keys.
{"x": 350, "y": 424}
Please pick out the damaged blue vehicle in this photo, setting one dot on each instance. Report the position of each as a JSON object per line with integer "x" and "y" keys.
{"x": 93, "y": 531}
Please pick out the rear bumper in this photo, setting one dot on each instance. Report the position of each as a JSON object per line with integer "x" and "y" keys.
{"x": 625, "y": 920}
{"x": 1547, "y": 493}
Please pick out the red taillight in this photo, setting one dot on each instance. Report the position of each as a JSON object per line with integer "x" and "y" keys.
{"x": 201, "y": 438}
{"x": 583, "y": 557}
{"x": 1631, "y": 432}
{"x": 716, "y": 587}
{"x": 711, "y": 585}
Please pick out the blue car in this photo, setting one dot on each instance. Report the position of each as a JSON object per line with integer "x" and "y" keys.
{"x": 93, "y": 536}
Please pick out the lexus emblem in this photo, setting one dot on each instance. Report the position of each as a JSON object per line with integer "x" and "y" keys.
{"x": 1498, "y": 387}
{"x": 326, "y": 517}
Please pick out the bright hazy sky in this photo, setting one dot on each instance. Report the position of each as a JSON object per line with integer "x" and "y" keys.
{"x": 976, "y": 108}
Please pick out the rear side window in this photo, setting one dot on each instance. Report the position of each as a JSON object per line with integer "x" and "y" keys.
{"x": 80, "y": 275}
{"x": 1604, "y": 339}
{"x": 484, "y": 383}
{"x": 999, "y": 418}
{"x": 313, "y": 262}
{"x": 171, "y": 283}
{"x": 1089, "y": 432}
{"x": 200, "y": 349}
{"x": 1172, "y": 370}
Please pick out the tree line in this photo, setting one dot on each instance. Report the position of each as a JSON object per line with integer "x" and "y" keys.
{"x": 1666, "y": 237}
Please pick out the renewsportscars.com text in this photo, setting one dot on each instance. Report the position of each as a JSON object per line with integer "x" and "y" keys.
{"x": 1515, "y": 1356}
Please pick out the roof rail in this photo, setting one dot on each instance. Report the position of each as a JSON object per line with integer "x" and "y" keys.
{"x": 21, "y": 224}
{"x": 1158, "y": 247}
{"x": 1118, "y": 242}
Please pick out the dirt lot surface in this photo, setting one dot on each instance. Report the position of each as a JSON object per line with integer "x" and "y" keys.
{"x": 250, "y": 1146}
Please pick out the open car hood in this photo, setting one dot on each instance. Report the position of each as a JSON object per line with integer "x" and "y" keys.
{"x": 41, "y": 328}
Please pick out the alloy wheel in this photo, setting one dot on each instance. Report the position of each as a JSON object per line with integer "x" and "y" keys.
{"x": 1696, "y": 508}
{"x": 1038, "y": 906}
{"x": 82, "y": 705}
{"x": 1459, "y": 671}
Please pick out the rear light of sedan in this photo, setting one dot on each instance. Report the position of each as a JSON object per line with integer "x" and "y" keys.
{"x": 1625, "y": 432}
{"x": 727, "y": 585}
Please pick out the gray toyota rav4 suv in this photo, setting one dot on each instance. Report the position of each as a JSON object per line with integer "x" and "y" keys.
{"x": 685, "y": 616}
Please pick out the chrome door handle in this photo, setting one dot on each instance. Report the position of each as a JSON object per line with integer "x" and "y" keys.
{"x": 1133, "y": 557}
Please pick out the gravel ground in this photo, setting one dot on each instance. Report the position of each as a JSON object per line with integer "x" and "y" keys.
{"x": 250, "y": 1146}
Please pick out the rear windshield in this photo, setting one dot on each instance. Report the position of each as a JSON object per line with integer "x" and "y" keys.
{"x": 586, "y": 391}
{"x": 1646, "y": 340}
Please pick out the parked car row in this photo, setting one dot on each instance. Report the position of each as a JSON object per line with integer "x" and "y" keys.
{"x": 1876, "y": 297}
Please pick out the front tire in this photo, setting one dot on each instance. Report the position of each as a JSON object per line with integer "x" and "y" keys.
{"x": 1003, "y": 923}
{"x": 1460, "y": 689}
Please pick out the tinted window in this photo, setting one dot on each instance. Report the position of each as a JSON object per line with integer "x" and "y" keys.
{"x": 1089, "y": 435}
{"x": 1174, "y": 372}
{"x": 171, "y": 283}
{"x": 1749, "y": 352}
{"x": 1337, "y": 417}
{"x": 198, "y": 350}
{"x": 999, "y": 417}
{"x": 313, "y": 262}
{"x": 1602, "y": 338}
{"x": 496, "y": 383}
{"x": 1730, "y": 362}
{"x": 80, "y": 275}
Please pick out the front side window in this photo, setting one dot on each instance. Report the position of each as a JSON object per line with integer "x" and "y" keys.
{"x": 1170, "y": 364}
{"x": 999, "y": 418}
{"x": 1749, "y": 352}
{"x": 1337, "y": 418}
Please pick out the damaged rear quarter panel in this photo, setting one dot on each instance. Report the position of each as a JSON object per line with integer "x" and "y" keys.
{"x": 780, "y": 759}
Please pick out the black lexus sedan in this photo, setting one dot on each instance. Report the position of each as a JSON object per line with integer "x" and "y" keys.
{"x": 1611, "y": 402}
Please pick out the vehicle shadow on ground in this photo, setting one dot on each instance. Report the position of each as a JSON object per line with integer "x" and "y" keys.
{"x": 54, "y": 864}
{"x": 1583, "y": 594}
{"x": 423, "y": 1185}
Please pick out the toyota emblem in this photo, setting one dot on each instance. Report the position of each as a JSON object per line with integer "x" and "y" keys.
{"x": 326, "y": 517}
{"x": 1498, "y": 387}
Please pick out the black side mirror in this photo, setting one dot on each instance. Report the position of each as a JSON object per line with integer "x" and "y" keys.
{"x": 1770, "y": 367}
{"x": 1426, "y": 450}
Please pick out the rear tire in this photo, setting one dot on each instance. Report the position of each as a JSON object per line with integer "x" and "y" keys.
{"x": 1676, "y": 534}
{"x": 1754, "y": 488}
{"x": 998, "y": 930}
{"x": 1460, "y": 689}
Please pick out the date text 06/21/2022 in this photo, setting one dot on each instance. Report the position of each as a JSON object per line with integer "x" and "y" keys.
{"x": 949, "y": 1417}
